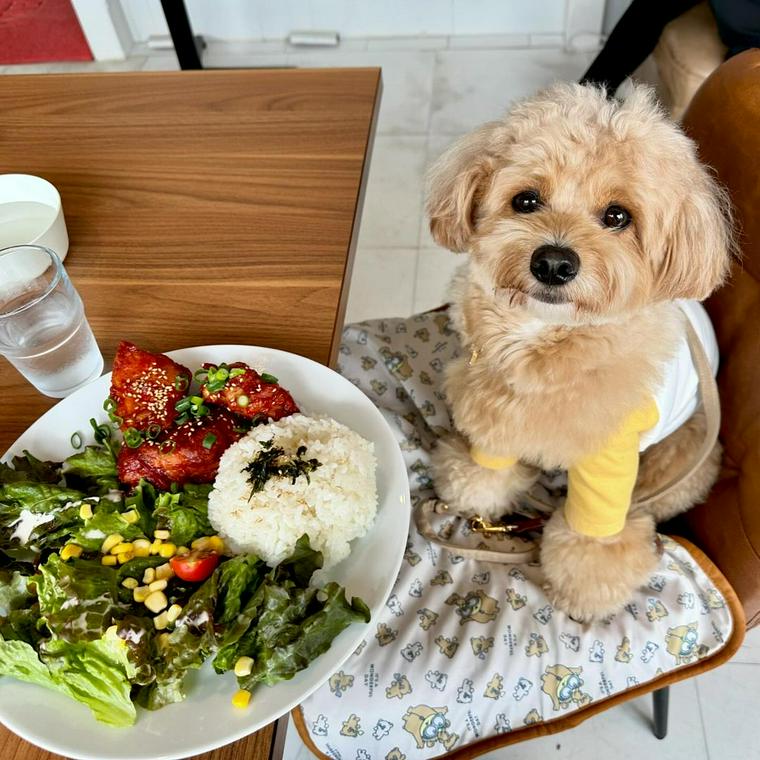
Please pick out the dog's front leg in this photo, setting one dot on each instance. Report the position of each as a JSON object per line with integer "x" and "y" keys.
{"x": 470, "y": 489}
{"x": 590, "y": 578}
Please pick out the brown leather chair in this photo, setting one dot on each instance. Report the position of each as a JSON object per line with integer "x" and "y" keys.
{"x": 724, "y": 119}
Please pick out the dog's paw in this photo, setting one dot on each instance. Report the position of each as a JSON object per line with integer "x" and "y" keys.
{"x": 592, "y": 578}
{"x": 470, "y": 489}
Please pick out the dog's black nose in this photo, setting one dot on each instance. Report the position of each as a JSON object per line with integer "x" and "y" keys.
{"x": 554, "y": 265}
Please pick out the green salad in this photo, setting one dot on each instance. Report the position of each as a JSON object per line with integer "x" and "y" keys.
{"x": 91, "y": 605}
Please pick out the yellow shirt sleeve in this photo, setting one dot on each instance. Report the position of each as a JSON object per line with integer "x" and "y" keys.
{"x": 599, "y": 487}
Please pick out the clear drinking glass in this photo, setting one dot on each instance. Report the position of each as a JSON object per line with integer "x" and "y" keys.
{"x": 44, "y": 333}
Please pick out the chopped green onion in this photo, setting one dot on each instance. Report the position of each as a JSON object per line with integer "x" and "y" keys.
{"x": 102, "y": 433}
{"x": 200, "y": 374}
{"x": 109, "y": 405}
{"x": 201, "y": 411}
{"x": 76, "y": 441}
{"x": 222, "y": 373}
{"x": 116, "y": 419}
{"x": 183, "y": 404}
{"x": 209, "y": 441}
{"x": 181, "y": 382}
{"x": 153, "y": 431}
{"x": 196, "y": 400}
{"x": 166, "y": 446}
{"x": 133, "y": 437}
{"x": 267, "y": 378}
{"x": 243, "y": 400}
{"x": 237, "y": 371}
{"x": 182, "y": 419}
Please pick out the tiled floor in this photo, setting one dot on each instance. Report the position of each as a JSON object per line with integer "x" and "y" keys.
{"x": 436, "y": 89}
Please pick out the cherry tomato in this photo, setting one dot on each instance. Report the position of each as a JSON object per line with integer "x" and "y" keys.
{"x": 195, "y": 566}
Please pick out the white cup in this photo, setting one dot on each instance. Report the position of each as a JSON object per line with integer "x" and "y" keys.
{"x": 31, "y": 214}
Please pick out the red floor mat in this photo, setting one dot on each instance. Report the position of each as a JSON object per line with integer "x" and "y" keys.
{"x": 40, "y": 31}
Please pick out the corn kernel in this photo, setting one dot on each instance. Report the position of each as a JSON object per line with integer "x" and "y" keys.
{"x": 130, "y": 583}
{"x": 141, "y": 547}
{"x": 200, "y": 543}
{"x": 244, "y": 666}
{"x": 164, "y": 535}
{"x": 140, "y": 594}
{"x": 122, "y": 547}
{"x": 216, "y": 544}
{"x": 162, "y": 640}
{"x": 155, "y": 546}
{"x": 108, "y": 559}
{"x": 71, "y": 550}
{"x": 149, "y": 575}
{"x": 85, "y": 511}
{"x": 161, "y": 621}
{"x": 124, "y": 557}
{"x": 111, "y": 541}
{"x": 241, "y": 698}
{"x": 157, "y": 585}
{"x": 167, "y": 550}
{"x": 183, "y": 550}
{"x": 130, "y": 517}
{"x": 173, "y": 612}
{"x": 156, "y": 601}
{"x": 164, "y": 572}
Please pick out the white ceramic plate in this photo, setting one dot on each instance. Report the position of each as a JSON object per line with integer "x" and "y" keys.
{"x": 207, "y": 719}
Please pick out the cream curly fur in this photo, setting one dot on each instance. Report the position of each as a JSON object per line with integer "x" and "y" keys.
{"x": 558, "y": 371}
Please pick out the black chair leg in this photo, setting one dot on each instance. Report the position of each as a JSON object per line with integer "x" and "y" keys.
{"x": 660, "y": 703}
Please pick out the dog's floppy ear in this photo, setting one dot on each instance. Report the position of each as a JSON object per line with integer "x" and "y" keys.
{"x": 699, "y": 241}
{"x": 456, "y": 184}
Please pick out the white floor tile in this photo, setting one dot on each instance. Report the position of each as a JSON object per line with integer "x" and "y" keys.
{"x": 407, "y": 84}
{"x": 488, "y": 41}
{"x": 730, "y": 700}
{"x": 382, "y": 283}
{"x": 435, "y": 268}
{"x": 392, "y": 211}
{"x": 749, "y": 652}
{"x": 472, "y": 87}
{"x": 162, "y": 62}
{"x": 624, "y": 733}
{"x": 294, "y": 748}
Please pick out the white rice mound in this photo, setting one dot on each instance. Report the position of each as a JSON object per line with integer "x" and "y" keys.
{"x": 337, "y": 504}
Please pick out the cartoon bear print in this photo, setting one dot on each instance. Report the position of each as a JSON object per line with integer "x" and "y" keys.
{"x": 596, "y": 652}
{"x": 415, "y": 588}
{"x": 320, "y": 725}
{"x": 396, "y": 362}
{"x": 425, "y": 378}
{"x": 686, "y": 599}
{"x": 563, "y": 686}
{"x": 495, "y": 687}
{"x": 362, "y": 754}
{"x": 534, "y": 716}
{"x": 514, "y": 600}
{"x": 395, "y": 754}
{"x": 412, "y": 651}
{"x": 481, "y": 645}
{"x": 624, "y": 653}
{"x": 544, "y": 614}
{"x": 436, "y": 679}
{"x": 712, "y": 600}
{"x": 429, "y": 726}
{"x": 648, "y": 651}
{"x": 394, "y": 605}
{"x": 423, "y": 334}
{"x": 482, "y": 578}
{"x": 368, "y": 363}
{"x": 517, "y": 574}
{"x": 385, "y": 634}
{"x": 399, "y": 687}
{"x": 657, "y": 582}
{"x": 522, "y": 688}
{"x": 465, "y": 692}
{"x": 536, "y": 646}
{"x": 340, "y": 682}
{"x": 502, "y": 725}
{"x": 426, "y": 618}
{"x": 571, "y": 642}
{"x": 447, "y": 647}
{"x": 681, "y": 642}
{"x": 476, "y": 606}
{"x": 656, "y": 610}
{"x": 378, "y": 386}
{"x": 382, "y": 729}
{"x": 411, "y": 556}
{"x": 442, "y": 578}
{"x": 446, "y": 531}
{"x": 351, "y": 726}
{"x": 442, "y": 323}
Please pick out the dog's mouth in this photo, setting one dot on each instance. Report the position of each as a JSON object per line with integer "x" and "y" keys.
{"x": 550, "y": 295}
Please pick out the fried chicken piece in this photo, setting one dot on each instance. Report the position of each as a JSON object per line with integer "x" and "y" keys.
{"x": 250, "y": 395}
{"x": 145, "y": 387}
{"x": 179, "y": 455}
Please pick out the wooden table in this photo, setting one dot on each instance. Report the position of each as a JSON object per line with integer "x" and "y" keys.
{"x": 202, "y": 207}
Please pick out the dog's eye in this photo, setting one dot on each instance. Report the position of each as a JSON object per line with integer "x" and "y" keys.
{"x": 526, "y": 202}
{"x": 616, "y": 217}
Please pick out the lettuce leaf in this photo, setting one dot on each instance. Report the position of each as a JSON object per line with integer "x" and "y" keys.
{"x": 29, "y": 468}
{"x": 184, "y": 514}
{"x": 92, "y": 471}
{"x": 96, "y": 673}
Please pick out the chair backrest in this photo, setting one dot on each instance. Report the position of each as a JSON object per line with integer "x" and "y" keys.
{"x": 724, "y": 119}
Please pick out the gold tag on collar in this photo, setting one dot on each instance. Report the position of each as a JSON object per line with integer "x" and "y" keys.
{"x": 474, "y": 356}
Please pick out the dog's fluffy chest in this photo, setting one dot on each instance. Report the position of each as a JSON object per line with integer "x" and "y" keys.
{"x": 550, "y": 394}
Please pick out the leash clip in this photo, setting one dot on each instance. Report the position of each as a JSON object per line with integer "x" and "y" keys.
{"x": 478, "y": 525}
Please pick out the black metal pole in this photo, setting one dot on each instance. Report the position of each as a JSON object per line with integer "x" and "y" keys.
{"x": 186, "y": 46}
{"x": 660, "y": 700}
